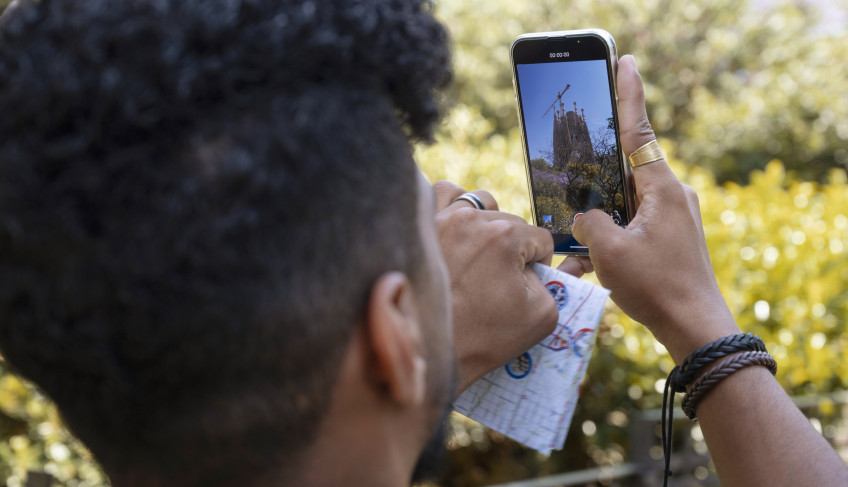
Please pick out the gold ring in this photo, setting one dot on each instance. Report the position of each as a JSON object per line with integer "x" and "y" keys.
{"x": 648, "y": 153}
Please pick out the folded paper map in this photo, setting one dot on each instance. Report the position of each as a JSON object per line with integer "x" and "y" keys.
{"x": 532, "y": 398}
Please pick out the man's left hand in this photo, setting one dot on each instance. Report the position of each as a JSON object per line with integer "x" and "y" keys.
{"x": 500, "y": 307}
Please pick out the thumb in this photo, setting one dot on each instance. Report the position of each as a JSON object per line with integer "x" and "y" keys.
{"x": 635, "y": 128}
{"x": 593, "y": 227}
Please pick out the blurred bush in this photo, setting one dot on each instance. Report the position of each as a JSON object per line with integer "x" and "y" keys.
{"x": 749, "y": 101}
{"x": 779, "y": 248}
{"x": 741, "y": 82}
{"x": 32, "y": 437}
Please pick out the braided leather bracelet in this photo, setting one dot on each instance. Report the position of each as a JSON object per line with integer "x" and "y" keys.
{"x": 721, "y": 370}
{"x": 683, "y": 374}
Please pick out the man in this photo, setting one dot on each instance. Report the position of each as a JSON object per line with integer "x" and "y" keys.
{"x": 219, "y": 257}
{"x": 221, "y": 263}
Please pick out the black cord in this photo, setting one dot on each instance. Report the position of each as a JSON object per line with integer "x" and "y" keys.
{"x": 666, "y": 434}
{"x": 685, "y": 372}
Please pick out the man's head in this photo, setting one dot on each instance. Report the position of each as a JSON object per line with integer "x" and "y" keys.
{"x": 197, "y": 198}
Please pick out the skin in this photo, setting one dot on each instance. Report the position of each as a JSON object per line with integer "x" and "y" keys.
{"x": 394, "y": 381}
{"x": 500, "y": 305}
{"x": 660, "y": 274}
{"x": 397, "y": 373}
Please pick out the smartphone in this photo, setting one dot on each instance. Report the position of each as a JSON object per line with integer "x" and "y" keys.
{"x": 566, "y": 96}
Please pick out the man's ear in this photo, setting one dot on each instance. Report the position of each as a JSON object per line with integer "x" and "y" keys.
{"x": 394, "y": 335}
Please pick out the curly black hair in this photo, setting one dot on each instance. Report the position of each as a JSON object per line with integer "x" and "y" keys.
{"x": 193, "y": 207}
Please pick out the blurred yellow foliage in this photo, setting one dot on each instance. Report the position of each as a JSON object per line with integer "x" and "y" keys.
{"x": 780, "y": 252}
{"x": 729, "y": 87}
{"x": 741, "y": 93}
{"x": 32, "y": 437}
{"x": 741, "y": 82}
{"x": 779, "y": 247}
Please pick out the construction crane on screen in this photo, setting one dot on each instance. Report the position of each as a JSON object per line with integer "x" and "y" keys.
{"x": 558, "y": 99}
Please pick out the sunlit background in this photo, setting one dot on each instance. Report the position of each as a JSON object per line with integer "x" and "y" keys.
{"x": 749, "y": 101}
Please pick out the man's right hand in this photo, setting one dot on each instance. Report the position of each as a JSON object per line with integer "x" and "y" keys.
{"x": 660, "y": 274}
{"x": 658, "y": 268}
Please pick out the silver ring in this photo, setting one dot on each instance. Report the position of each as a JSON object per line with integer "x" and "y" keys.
{"x": 473, "y": 199}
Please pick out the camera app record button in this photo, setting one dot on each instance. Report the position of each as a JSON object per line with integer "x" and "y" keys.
{"x": 576, "y": 216}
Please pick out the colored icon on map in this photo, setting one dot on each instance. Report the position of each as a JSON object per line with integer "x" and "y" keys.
{"x": 558, "y": 291}
{"x": 520, "y": 367}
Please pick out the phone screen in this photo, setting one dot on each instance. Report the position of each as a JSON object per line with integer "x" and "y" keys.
{"x": 566, "y": 100}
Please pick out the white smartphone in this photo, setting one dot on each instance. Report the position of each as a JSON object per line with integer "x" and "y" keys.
{"x": 565, "y": 90}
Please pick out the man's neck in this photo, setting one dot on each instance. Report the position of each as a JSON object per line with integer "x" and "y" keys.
{"x": 352, "y": 460}
{"x": 363, "y": 440}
